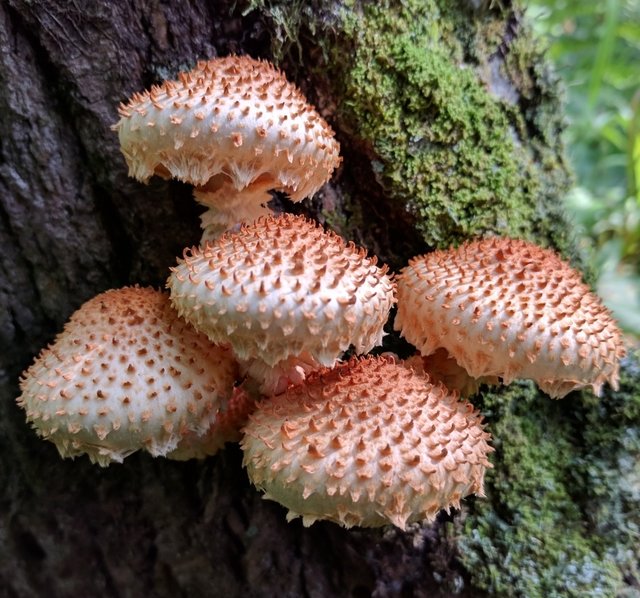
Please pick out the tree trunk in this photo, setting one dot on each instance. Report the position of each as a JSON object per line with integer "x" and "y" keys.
{"x": 449, "y": 124}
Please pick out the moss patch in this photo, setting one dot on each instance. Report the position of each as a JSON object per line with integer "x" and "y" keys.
{"x": 443, "y": 146}
{"x": 447, "y": 105}
{"x": 561, "y": 516}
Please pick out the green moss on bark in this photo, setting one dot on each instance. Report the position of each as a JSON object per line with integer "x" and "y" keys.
{"x": 442, "y": 144}
{"x": 559, "y": 519}
{"x": 561, "y": 516}
{"x": 447, "y": 106}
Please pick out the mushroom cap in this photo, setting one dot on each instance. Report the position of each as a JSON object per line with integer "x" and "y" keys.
{"x": 232, "y": 118}
{"x": 367, "y": 443}
{"x": 283, "y": 286}
{"x": 126, "y": 374}
{"x": 505, "y": 307}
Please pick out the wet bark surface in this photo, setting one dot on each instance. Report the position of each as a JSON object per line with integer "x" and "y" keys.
{"x": 73, "y": 224}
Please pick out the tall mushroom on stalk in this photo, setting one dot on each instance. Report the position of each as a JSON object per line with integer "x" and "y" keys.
{"x": 128, "y": 374}
{"x": 508, "y": 308}
{"x": 235, "y": 128}
{"x": 286, "y": 295}
{"x": 367, "y": 443}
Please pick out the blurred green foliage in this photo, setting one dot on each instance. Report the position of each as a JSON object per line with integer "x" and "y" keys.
{"x": 596, "y": 47}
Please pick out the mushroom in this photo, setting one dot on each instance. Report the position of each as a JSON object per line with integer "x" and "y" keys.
{"x": 235, "y": 128}
{"x": 126, "y": 374}
{"x": 284, "y": 289}
{"x": 367, "y": 443}
{"x": 505, "y": 307}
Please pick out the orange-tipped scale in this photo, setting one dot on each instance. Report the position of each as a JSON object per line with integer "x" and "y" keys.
{"x": 505, "y": 307}
{"x": 127, "y": 374}
{"x": 367, "y": 443}
{"x": 235, "y": 128}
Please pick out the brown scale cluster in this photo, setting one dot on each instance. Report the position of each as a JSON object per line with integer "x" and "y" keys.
{"x": 235, "y": 128}
{"x": 283, "y": 287}
{"x": 508, "y": 308}
{"x": 127, "y": 374}
{"x": 367, "y": 443}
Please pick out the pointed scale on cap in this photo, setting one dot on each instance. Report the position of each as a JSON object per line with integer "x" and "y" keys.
{"x": 505, "y": 307}
{"x": 367, "y": 443}
{"x": 235, "y": 128}
{"x": 283, "y": 287}
{"x": 127, "y": 374}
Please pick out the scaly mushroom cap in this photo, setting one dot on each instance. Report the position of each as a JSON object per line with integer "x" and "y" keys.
{"x": 230, "y": 125}
{"x": 281, "y": 287}
{"x": 505, "y": 307}
{"x": 367, "y": 443}
{"x": 126, "y": 374}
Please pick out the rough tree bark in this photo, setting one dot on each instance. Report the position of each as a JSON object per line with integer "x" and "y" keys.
{"x": 73, "y": 224}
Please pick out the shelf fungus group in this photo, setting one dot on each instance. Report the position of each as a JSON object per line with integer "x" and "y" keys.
{"x": 248, "y": 344}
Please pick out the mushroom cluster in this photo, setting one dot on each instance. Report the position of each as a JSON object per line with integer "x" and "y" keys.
{"x": 249, "y": 343}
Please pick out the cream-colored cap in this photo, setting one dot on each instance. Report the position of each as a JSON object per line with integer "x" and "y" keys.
{"x": 505, "y": 307}
{"x": 367, "y": 443}
{"x": 127, "y": 374}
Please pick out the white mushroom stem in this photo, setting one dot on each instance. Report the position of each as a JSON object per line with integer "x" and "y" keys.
{"x": 274, "y": 380}
{"x": 229, "y": 207}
